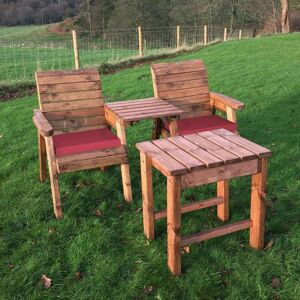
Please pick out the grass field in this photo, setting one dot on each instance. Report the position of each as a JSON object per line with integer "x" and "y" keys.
{"x": 110, "y": 253}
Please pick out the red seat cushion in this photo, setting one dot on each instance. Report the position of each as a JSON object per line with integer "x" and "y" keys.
{"x": 198, "y": 124}
{"x": 84, "y": 141}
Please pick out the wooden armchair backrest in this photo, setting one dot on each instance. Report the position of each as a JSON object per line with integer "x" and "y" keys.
{"x": 183, "y": 84}
{"x": 71, "y": 100}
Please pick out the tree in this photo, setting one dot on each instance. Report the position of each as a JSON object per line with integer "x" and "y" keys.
{"x": 285, "y": 16}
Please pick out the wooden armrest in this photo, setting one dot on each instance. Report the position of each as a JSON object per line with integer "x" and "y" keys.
{"x": 42, "y": 124}
{"x": 228, "y": 101}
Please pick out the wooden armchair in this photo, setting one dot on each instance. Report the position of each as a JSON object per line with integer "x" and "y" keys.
{"x": 72, "y": 129}
{"x": 185, "y": 85}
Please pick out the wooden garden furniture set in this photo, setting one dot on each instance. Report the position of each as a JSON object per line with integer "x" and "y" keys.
{"x": 198, "y": 147}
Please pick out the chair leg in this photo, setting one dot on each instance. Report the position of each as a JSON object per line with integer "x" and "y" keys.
{"x": 42, "y": 158}
{"x": 126, "y": 182}
{"x": 53, "y": 174}
{"x": 55, "y": 194}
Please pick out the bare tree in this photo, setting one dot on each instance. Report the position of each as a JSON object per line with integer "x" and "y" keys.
{"x": 285, "y": 16}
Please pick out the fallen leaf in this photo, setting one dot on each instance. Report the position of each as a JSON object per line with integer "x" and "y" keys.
{"x": 51, "y": 230}
{"x": 1, "y": 136}
{"x": 270, "y": 244}
{"x": 242, "y": 245}
{"x": 185, "y": 249}
{"x": 98, "y": 213}
{"x": 78, "y": 275}
{"x": 148, "y": 289}
{"x": 275, "y": 282}
{"x": 225, "y": 273}
{"x": 46, "y": 281}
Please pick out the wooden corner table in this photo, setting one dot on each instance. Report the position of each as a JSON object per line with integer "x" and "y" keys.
{"x": 121, "y": 114}
{"x": 196, "y": 159}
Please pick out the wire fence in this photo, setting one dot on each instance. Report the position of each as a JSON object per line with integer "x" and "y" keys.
{"x": 20, "y": 59}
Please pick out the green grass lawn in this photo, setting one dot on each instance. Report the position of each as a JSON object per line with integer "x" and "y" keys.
{"x": 110, "y": 252}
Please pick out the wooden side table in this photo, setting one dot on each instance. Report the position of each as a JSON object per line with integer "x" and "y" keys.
{"x": 121, "y": 114}
{"x": 197, "y": 159}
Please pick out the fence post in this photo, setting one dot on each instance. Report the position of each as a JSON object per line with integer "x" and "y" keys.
{"x": 178, "y": 37}
{"x": 205, "y": 35}
{"x": 225, "y": 34}
{"x": 141, "y": 50}
{"x": 76, "y": 53}
{"x": 240, "y": 34}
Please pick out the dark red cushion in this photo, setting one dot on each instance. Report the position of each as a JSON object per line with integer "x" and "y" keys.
{"x": 84, "y": 141}
{"x": 198, "y": 124}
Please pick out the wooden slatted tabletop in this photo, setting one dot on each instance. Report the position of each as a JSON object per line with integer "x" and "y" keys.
{"x": 209, "y": 149}
{"x": 136, "y": 110}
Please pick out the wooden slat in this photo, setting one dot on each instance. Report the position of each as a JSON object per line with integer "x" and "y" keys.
{"x": 186, "y": 159}
{"x": 181, "y": 77}
{"x": 177, "y": 63}
{"x": 67, "y": 72}
{"x": 67, "y": 78}
{"x": 78, "y": 122}
{"x": 191, "y": 207}
{"x": 76, "y": 113}
{"x": 178, "y": 85}
{"x": 196, "y": 113}
{"x": 151, "y": 115}
{"x": 146, "y": 106}
{"x": 239, "y": 151}
{"x": 177, "y": 68}
{"x": 184, "y": 92}
{"x": 78, "y": 129}
{"x": 70, "y": 105}
{"x": 71, "y": 96}
{"x": 93, "y": 163}
{"x": 69, "y": 87}
{"x": 195, "y": 107}
{"x": 162, "y": 161}
{"x": 90, "y": 155}
{"x": 257, "y": 149}
{"x": 128, "y": 102}
{"x": 214, "y": 149}
{"x": 149, "y": 111}
{"x": 189, "y": 100}
{"x": 216, "y": 232}
{"x": 212, "y": 175}
{"x": 207, "y": 158}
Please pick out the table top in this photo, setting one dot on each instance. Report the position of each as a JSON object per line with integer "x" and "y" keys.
{"x": 136, "y": 110}
{"x": 204, "y": 150}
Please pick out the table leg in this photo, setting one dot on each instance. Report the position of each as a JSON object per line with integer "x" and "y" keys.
{"x": 258, "y": 208}
{"x": 42, "y": 158}
{"x": 124, "y": 167}
{"x": 223, "y": 191}
{"x": 173, "y": 126}
{"x": 156, "y": 131}
{"x": 147, "y": 196}
{"x": 174, "y": 224}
